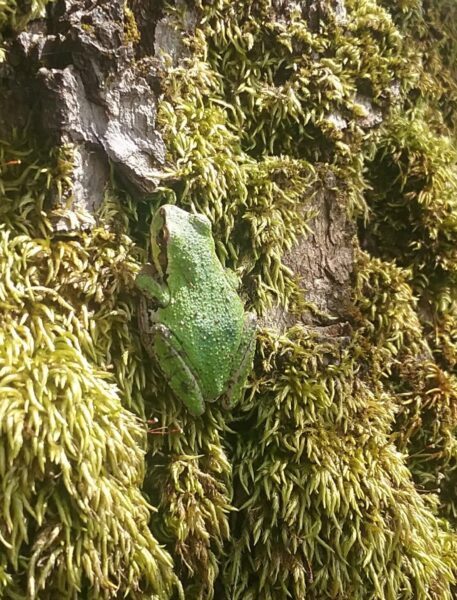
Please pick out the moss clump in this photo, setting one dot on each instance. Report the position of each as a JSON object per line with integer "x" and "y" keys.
{"x": 413, "y": 222}
{"x": 294, "y": 88}
{"x": 414, "y": 178}
{"x": 412, "y": 225}
{"x": 73, "y": 519}
{"x": 190, "y": 480}
{"x": 327, "y": 507}
{"x": 131, "y": 32}
{"x": 253, "y": 204}
{"x": 71, "y": 460}
{"x": 15, "y": 15}
{"x": 261, "y": 89}
{"x": 430, "y": 42}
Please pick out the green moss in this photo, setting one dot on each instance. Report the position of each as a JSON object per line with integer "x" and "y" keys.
{"x": 412, "y": 203}
{"x": 343, "y": 452}
{"x": 327, "y": 507}
{"x": 15, "y": 15}
{"x": 190, "y": 480}
{"x": 424, "y": 393}
{"x": 287, "y": 82}
{"x": 71, "y": 458}
{"x": 254, "y": 205}
{"x": 71, "y": 453}
{"x": 88, "y": 27}
{"x": 413, "y": 180}
{"x": 430, "y": 42}
{"x": 414, "y": 175}
{"x": 259, "y": 90}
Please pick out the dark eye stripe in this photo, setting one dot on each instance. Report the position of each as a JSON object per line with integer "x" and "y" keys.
{"x": 162, "y": 238}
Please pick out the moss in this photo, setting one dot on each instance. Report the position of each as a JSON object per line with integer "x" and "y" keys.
{"x": 247, "y": 200}
{"x": 342, "y": 454}
{"x": 424, "y": 392}
{"x": 287, "y": 82}
{"x": 313, "y": 412}
{"x": 71, "y": 453}
{"x": 414, "y": 173}
{"x": 88, "y": 28}
{"x": 412, "y": 203}
{"x": 190, "y": 479}
{"x": 430, "y": 35}
{"x": 15, "y": 15}
{"x": 131, "y": 32}
{"x": 327, "y": 507}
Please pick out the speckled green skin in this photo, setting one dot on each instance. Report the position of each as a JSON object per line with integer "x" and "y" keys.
{"x": 198, "y": 333}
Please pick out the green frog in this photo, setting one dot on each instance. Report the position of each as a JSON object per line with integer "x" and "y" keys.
{"x": 192, "y": 320}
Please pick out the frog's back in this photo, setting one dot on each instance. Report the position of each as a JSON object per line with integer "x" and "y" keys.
{"x": 209, "y": 318}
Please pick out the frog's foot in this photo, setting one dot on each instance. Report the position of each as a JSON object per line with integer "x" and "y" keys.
{"x": 243, "y": 364}
{"x": 172, "y": 363}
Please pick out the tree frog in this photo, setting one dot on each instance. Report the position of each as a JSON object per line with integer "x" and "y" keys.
{"x": 192, "y": 321}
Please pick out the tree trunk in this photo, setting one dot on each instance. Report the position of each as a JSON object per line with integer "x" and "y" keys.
{"x": 318, "y": 136}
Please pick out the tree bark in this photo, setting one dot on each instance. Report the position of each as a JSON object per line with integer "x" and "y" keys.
{"x": 318, "y": 138}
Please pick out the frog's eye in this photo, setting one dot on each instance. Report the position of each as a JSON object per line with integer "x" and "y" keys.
{"x": 162, "y": 235}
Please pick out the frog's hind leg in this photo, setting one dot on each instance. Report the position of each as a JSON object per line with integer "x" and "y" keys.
{"x": 174, "y": 367}
{"x": 243, "y": 364}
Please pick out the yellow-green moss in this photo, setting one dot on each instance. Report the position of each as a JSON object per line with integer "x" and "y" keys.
{"x": 413, "y": 222}
{"x": 256, "y": 91}
{"x": 412, "y": 204}
{"x": 131, "y": 31}
{"x": 74, "y": 520}
{"x": 328, "y": 508}
{"x": 15, "y": 15}
{"x": 315, "y": 459}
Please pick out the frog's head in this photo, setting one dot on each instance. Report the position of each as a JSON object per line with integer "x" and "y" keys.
{"x": 175, "y": 231}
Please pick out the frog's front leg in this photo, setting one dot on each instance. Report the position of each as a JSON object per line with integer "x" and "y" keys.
{"x": 243, "y": 364}
{"x": 147, "y": 282}
{"x": 171, "y": 358}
